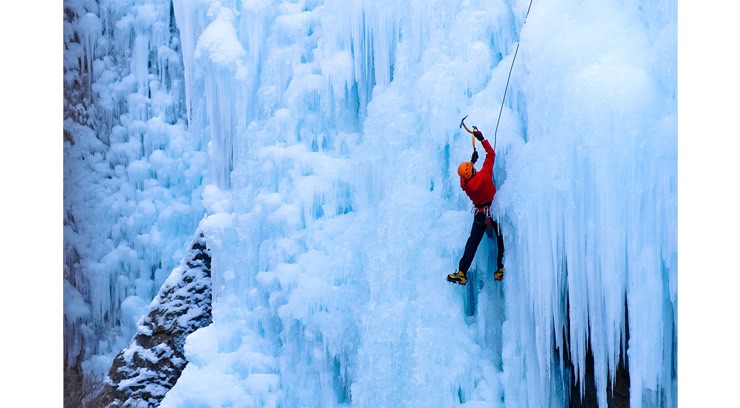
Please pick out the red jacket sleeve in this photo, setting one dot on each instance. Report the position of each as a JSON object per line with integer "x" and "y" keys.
{"x": 490, "y": 157}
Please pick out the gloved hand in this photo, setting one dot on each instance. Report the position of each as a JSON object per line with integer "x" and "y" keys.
{"x": 478, "y": 135}
{"x": 474, "y": 157}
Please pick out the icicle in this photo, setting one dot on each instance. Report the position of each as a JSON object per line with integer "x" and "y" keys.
{"x": 89, "y": 28}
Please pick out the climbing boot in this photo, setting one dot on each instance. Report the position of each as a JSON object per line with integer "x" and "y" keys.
{"x": 457, "y": 277}
{"x": 499, "y": 274}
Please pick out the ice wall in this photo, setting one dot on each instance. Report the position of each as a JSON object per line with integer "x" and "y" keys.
{"x": 326, "y": 135}
{"x": 337, "y": 211}
{"x": 601, "y": 152}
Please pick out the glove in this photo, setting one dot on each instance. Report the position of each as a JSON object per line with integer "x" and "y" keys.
{"x": 474, "y": 157}
{"x": 478, "y": 135}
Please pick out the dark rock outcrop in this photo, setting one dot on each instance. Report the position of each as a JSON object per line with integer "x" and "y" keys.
{"x": 143, "y": 372}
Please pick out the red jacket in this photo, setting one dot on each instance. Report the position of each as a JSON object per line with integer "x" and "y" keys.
{"x": 480, "y": 187}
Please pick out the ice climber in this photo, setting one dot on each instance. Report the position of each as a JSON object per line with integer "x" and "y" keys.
{"x": 479, "y": 186}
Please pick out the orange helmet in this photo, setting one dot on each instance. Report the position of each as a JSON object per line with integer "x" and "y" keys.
{"x": 466, "y": 170}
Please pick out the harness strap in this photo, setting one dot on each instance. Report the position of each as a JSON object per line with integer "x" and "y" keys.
{"x": 484, "y": 209}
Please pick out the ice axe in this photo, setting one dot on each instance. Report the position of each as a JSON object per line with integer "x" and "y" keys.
{"x": 472, "y": 132}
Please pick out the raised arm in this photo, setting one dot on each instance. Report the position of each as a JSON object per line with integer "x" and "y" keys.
{"x": 490, "y": 153}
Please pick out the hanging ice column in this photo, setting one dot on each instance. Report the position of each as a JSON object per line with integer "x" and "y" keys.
{"x": 215, "y": 95}
{"x": 591, "y": 199}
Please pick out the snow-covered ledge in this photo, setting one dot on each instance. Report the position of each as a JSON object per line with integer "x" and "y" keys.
{"x": 143, "y": 372}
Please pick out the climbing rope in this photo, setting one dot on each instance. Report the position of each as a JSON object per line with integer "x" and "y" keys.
{"x": 495, "y": 133}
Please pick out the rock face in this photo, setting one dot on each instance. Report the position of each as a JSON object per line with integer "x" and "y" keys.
{"x": 143, "y": 372}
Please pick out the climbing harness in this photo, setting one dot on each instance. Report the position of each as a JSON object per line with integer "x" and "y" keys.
{"x": 486, "y": 209}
